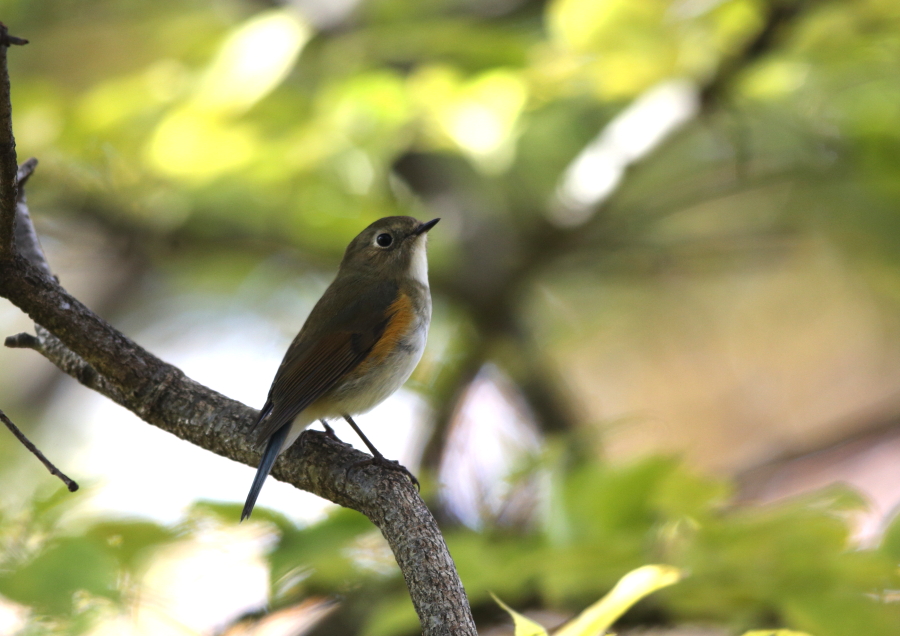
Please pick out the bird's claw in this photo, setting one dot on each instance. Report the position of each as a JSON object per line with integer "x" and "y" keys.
{"x": 390, "y": 464}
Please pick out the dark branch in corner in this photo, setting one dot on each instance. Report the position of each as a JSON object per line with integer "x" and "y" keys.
{"x": 71, "y": 485}
{"x": 90, "y": 350}
{"x": 780, "y": 15}
{"x": 8, "y": 166}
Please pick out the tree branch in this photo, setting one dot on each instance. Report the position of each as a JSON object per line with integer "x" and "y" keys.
{"x": 87, "y": 348}
{"x": 8, "y": 165}
{"x": 780, "y": 15}
{"x": 25, "y": 237}
{"x": 71, "y": 485}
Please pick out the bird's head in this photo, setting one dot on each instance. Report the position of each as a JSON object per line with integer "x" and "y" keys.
{"x": 392, "y": 247}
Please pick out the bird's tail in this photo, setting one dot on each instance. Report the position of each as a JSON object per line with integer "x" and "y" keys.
{"x": 273, "y": 447}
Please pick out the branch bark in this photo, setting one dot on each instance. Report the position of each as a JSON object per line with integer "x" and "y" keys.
{"x": 90, "y": 350}
{"x": 8, "y": 167}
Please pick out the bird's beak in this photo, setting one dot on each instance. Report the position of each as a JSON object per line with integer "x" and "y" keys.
{"x": 424, "y": 227}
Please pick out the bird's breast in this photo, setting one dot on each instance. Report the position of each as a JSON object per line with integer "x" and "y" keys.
{"x": 392, "y": 359}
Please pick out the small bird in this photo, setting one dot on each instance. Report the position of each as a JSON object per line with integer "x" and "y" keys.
{"x": 359, "y": 344}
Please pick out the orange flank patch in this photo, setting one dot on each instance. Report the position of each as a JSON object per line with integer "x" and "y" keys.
{"x": 401, "y": 318}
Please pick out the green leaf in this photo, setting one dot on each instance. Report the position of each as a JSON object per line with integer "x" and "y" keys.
{"x": 316, "y": 558}
{"x": 129, "y": 540}
{"x": 629, "y": 590}
{"x": 524, "y": 626}
{"x": 49, "y": 582}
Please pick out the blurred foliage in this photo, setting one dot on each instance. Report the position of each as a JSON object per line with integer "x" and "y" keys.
{"x": 71, "y": 575}
{"x": 790, "y": 564}
{"x": 213, "y": 134}
{"x": 139, "y": 111}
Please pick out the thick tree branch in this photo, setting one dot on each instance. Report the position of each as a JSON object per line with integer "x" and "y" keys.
{"x": 8, "y": 165}
{"x": 89, "y": 349}
{"x": 25, "y": 236}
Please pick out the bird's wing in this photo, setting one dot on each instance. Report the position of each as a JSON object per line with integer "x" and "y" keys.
{"x": 315, "y": 362}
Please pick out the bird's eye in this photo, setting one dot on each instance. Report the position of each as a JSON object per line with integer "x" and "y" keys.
{"x": 384, "y": 240}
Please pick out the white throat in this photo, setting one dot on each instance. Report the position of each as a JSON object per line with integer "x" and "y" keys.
{"x": 418, "y": 266}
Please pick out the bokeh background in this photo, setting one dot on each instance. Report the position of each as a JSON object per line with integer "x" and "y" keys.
{"x": 666, "y": 287}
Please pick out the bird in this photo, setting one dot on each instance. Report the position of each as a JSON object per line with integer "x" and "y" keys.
{"x": 361, "y": 342}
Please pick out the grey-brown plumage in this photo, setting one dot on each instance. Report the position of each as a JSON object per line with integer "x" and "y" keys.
{"x": 360, "y": 342}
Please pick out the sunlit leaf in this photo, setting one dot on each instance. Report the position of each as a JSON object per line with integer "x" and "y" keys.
{"x": 629, "y": 590}
{"x": 477, "y": 116}
{"x": 193, "y": 145}
{"x": 524, "y": 626}
{"x": 253, "y": 60}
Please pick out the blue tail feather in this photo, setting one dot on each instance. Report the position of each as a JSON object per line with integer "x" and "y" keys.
{"x": 273, "y": 447}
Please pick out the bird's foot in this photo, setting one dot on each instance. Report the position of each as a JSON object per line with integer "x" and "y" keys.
{"x": 330, "y": 433}
{"x": 390, "y": 464}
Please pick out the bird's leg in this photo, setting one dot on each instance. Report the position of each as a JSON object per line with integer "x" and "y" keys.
{"x": 377, "y": 458}
{"x": 330, "y": 431}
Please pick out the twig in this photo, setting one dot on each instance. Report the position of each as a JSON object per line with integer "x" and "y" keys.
{"x": 24, "y": 173}
{"x": 13, "y": 40}
{"x": 9, "y": 40}
{"x": 71, "y": 485}
{"x": 22, "y": 341}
